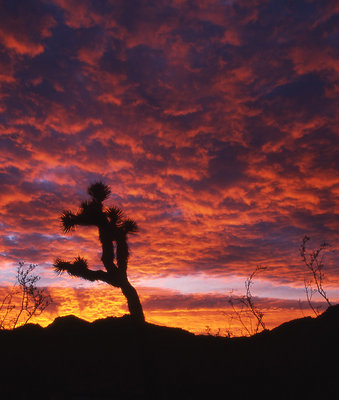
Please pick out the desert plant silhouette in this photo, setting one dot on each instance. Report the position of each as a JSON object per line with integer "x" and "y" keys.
{"x": 24, "y": 300}
{"x": 314, "y": 261}
{"x": 113, "y": 229}
{"x": 245, "y": 311}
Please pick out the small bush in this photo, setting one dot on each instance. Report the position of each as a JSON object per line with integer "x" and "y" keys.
{"x": 24, "y": 300}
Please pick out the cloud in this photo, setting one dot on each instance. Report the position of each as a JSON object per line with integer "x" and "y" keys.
{"x": 24, "y": 27}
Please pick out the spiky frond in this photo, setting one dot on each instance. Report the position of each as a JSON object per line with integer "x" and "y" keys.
{"x": 61, "y": 266}
{"x": 129, "y": 226}
{"x": 90, "y": 213}
{"x": 99, "y": 191}
{"x": 78, "y": 267}
{"x": 115, "y": 215}
{"x": 68, "y": 220}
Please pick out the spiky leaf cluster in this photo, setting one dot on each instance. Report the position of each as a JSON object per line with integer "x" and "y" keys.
{"x": 90, "y": 213}
{"x": 68, "y": 220}
{"x": 76, "y": 268}
{"x": 99, "y": 191}
{"x": 119, "y": 222}
{"x": 129, "y": 226}
{"x": 115, "y": 215}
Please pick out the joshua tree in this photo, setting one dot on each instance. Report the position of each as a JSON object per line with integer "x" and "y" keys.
{"x": 113, "y": 229}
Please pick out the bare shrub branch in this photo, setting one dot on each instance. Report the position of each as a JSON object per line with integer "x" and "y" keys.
{"x": 244, "y": 309}
{"x": 24, "y": 300}
{"x": 314, "y": 263}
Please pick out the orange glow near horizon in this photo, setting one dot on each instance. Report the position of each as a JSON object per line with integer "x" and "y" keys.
{"x": 188, "y": 312}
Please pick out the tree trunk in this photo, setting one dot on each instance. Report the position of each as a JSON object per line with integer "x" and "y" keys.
{"x": 134, "y": 305}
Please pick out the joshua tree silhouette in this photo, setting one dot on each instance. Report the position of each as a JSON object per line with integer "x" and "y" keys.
{"x": 113, "y": 229}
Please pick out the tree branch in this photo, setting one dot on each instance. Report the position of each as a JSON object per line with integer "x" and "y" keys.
{"x": 79, "y": 268}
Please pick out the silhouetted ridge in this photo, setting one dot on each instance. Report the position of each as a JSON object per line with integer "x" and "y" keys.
{"x": 295, "y": 326}
{"x": 325, "y": 323}
{"x": 122, "y": 359}
{"x": 68, "y": 323}
{"x": 113, "y": 327}
{"x": 330, "y": 315}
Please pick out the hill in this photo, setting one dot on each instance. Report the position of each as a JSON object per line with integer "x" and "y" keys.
{"x": 116, "y": 358}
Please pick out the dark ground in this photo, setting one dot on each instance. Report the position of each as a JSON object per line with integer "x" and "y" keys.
{"x": 116, "y": 358}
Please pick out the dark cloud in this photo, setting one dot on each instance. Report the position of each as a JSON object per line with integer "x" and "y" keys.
{"x": 227, "y": 166}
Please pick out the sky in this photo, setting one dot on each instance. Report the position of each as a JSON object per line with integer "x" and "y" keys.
{"x": 214, "y": 122}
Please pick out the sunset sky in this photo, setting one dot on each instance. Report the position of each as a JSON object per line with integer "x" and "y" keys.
{"x": 215, "y": 123}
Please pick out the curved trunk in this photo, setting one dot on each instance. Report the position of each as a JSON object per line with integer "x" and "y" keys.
{"x": 107, "y": 257}
{"x": 134, "y": 305}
